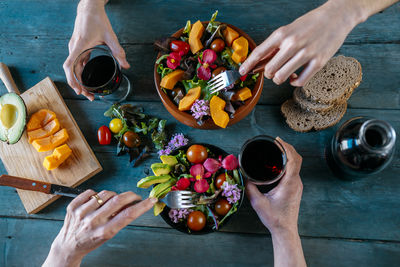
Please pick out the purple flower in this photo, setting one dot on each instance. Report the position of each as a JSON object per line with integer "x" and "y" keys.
{"x": 177, "y": 215}
{"x": 231, "y": 192}
{"x": 177, "y": 141}
{"x": 200, "y": 108}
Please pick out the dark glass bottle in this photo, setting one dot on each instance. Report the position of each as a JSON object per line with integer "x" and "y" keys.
{"x": 362, "y": 146}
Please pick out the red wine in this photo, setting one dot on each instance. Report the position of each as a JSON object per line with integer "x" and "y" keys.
{"x": 103, "y": 74}
{"x": 262, "y": 160}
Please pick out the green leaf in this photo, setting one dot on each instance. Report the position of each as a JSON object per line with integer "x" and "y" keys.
{"x": 182, "y": 158}
{"x": 213, "y": 25}
{"x": 161, "y": 58}
{"x": 226, "y": 57}
{"x": 231, "y": 211}
{"x": 163, "y": 71}
{"x": 250, "y": 81}
{"x": 188, "y": 28}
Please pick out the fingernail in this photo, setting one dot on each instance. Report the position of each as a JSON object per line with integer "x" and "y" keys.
{"x": 242, "y": 70}
{"x": 153, "y": 200}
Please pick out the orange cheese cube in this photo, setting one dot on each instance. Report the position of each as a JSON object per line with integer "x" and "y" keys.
{"x": 60, "y": 154}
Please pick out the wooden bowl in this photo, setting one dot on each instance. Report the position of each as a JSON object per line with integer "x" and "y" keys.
{"x": 187, "y": 118}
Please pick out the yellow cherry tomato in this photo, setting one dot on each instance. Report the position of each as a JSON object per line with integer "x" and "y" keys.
{"x": 116, "y": 125}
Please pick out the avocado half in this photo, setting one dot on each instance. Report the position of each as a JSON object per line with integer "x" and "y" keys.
{"x": 12, "y": 117}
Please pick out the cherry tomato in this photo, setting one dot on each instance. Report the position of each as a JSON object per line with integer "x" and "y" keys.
{"x": 196, "y": 221}
{"x": 104, "y": 135}
{"x": 178, "y": 45}
{"x": 222, "y": 207}
{"x": 218, "y": 45}
{"x": 131, "y": 139}
{"x": 220, "y": 180}
{"x": 217, "y": 71}
{"x": 116, "y": 125}
{"x": 197, "y": 154}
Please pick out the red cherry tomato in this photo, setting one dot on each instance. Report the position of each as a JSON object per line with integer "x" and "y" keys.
{"x": 197, "y": 154}
{"x": 218, "y": 45}
{"x": 220, "y": 180}
{"x": 178, "y": 45}
{"x": 104, "y": 135}
{"x": 196, "y": 221}
{"x": 222, "y": 207}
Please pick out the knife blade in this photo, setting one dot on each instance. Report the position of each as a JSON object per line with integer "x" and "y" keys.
{"x": 39, "y": 186}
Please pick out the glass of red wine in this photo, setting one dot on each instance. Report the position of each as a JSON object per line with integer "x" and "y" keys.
{"x": 262, "y": 160}
{"x": 97, "y": 71}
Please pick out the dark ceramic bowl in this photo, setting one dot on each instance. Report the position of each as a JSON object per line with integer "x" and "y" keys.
{"x": 207, "y": 229}
{"x": 188, "y": 119}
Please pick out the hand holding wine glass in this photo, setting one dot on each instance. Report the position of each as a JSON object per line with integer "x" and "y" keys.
{"x": 278, "y": 210}
{"x": 92, "y": 28}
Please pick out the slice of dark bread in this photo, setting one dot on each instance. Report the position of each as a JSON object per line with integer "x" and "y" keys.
{"x": 304, "y": 121}
{"x": 309, "y": 104}
{"x": 335, "y": 82}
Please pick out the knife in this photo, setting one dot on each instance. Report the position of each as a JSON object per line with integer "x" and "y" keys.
{"x": 39, "y": 186}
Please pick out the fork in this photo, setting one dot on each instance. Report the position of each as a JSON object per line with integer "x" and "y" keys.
{"x": 229, "y": 77}
{"x": 179, "y": 199}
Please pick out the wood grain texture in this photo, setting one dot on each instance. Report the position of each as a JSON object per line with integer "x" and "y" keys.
{"x": 330, "y": 207}
{"x": 341, "y": 223}
{"x": 376, "y": 89}
{"x": 23, "y": 160}
{"x": 142, "y": 246}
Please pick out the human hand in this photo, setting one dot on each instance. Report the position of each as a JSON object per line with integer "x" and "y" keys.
{"x": 279, "y": 208}
{"x": 88, "y": 224}
{"x": 309, "y": 41}
{"x": 92, "y": 28}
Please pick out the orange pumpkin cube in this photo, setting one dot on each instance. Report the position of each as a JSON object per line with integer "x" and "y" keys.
{"x": 49, "y": 129}
{"x": 51, "y": 142}
{"x": 169, "y": 80}
{"x": 230, "y": 35}
{"x": 194, "y": 37}
{"x": 243, "y": 94}
{"x": 39, "y": 119}
{"x": 187, "y": 101}
{"x": 241, "y": 49}
{"x": 60, "y": 154}
{"x": 218, "y": 114}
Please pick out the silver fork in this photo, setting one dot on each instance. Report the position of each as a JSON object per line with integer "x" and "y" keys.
{"x": 180, "y": 199}
{"x": 229, "y": 77}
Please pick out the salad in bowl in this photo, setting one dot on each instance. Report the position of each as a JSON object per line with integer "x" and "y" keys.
{"x": 192, "y": 57}
{"x": 205, "y": 170}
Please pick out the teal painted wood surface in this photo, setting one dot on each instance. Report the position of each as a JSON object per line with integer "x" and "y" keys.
{"x": 341, "y": 223}
{"x": 140, "y": 246}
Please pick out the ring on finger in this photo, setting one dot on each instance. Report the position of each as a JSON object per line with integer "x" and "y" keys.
{"x": 98, "y": 199}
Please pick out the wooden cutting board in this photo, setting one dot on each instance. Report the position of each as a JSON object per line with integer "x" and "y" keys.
{"x": 21, "y": 159}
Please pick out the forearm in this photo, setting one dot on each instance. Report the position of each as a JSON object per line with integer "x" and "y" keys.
{"x": 361, "y": 10}
{"x": 288, "y": 251}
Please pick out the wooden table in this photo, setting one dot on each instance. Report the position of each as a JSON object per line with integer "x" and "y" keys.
{"x": 341, "y": 223}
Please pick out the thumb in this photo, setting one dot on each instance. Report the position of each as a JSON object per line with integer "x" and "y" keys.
{"x": 118, "y": 52}
{"x": 252, "y": 192}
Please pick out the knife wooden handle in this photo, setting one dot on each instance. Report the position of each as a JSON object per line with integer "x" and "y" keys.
{"x": 25, "y": 184}
{"x": 7, "y": 79}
